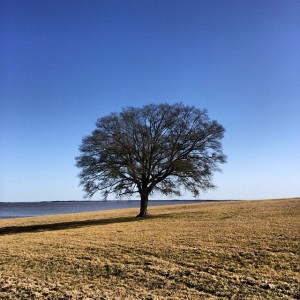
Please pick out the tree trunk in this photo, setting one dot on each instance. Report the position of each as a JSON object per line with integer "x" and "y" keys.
{"x": 144, "y": 205}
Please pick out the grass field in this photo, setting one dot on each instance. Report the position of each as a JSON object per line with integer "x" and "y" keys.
{"x": 228, "y": 250}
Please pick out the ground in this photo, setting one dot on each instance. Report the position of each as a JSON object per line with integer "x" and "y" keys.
{"x": 225, "y": 250}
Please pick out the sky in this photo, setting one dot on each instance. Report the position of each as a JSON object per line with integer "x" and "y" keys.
{"x": 64, "y": 64}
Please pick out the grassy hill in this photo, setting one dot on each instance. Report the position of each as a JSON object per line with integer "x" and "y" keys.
{"x": 230, "y": 250}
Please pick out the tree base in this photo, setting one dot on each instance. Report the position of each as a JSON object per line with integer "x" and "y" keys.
{"x": 141, "y": 215}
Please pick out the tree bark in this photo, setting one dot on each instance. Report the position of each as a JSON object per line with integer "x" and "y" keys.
{"x": 143, "y": 206}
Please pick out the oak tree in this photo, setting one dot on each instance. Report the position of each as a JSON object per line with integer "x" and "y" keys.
{"x": 156, "y": 148}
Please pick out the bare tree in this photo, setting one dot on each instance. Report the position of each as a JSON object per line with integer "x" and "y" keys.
{"x": 154, "y": 148}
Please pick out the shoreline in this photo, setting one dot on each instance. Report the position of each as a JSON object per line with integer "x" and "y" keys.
{"x": 11, "y": 210}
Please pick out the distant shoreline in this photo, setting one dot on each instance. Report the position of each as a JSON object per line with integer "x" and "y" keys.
{"x": 115, "y": 200}
{"x": 10, "y": 210}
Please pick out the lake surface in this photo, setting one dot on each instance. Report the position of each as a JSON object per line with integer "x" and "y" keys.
{"x": 32, "y": 209}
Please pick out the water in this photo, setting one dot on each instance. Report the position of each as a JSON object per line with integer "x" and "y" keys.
{"x": 32, "y": 209}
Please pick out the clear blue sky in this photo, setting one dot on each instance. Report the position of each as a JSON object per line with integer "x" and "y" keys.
{"x": 66, "y": 63}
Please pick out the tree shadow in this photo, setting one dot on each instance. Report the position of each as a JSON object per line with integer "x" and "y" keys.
{"x": 68, "y": 225}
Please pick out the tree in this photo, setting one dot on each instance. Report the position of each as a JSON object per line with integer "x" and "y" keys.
{"x": 154, "y": 148}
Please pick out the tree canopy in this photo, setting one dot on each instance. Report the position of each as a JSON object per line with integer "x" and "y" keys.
{"x": 161, "y": 148}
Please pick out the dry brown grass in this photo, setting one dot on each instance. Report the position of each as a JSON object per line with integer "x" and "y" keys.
{"x": 231, "y": 250}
